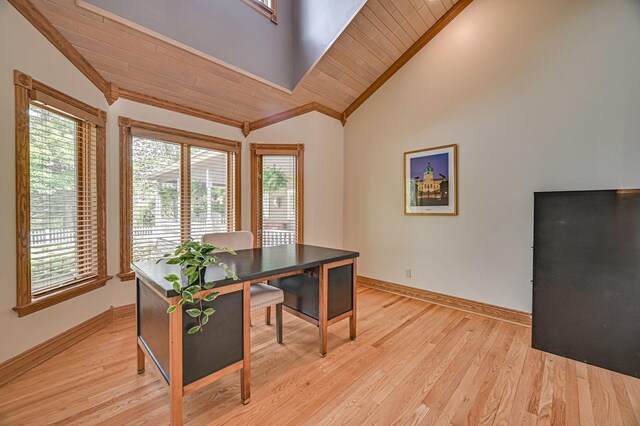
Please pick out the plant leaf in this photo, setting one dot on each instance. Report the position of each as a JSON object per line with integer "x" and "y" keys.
{"x": 172, "y": 278}
{"x": 205, "y": 319}
{"x": 177, "y": 287}
{"x": 209, "y": 285}
{"x": 211, "y": 296}
{"x": 194, "y": 330}
{"x": 187, "y": 296}
{"x": 195, "y": 313}
{"x": 209, "y": 311}
{"x": 171, "y": 308}
{"x": 173, "y": 261}
{"x": 193, "y": 289}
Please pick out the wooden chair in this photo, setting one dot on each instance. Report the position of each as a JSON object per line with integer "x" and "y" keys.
{"x": 263, "y": 296}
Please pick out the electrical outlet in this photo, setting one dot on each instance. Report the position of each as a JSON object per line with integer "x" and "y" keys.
{"x": 407, "y": 273}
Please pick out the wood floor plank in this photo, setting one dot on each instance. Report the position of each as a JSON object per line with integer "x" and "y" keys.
{"x": 633, "y": 390}
{"x": 585, "y": 400}
{"x": 503, "y": 397}
{"x": 613, "y": 412}
{"x": 572, "y": 413}
{"x": 624, "y": 402}
{"x": 477, "y": 414}
{"x": 413, "y": 363}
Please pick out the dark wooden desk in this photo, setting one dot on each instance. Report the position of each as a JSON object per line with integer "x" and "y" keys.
{"x": 319, "y": 285}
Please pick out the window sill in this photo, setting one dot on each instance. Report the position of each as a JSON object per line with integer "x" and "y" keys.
{"x": 126, "y": 276}
{"x": 66, "y": 293}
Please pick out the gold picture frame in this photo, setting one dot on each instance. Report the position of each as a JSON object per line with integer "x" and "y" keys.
{"x": 431, "y": 181}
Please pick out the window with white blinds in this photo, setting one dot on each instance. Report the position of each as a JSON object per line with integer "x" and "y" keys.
{"x": 279, "y": 201}
{"x": 178, "y": 186}
{"x": 63, "y": 199}
{"x": 277, "y": 178}
{"x": 212, "y": 203}
{"x": 156, "y": 197}
{"x": 60, "y": 196}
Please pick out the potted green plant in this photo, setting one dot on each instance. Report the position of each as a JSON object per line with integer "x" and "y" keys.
{"x": 274, "y": 179}
{"x": 194, "y": 257}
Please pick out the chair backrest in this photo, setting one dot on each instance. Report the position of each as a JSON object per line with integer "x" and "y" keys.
{"x": 238, "y": 240}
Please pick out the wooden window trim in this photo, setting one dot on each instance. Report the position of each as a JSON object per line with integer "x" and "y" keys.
{"x": 27, "y": 90}
{"x": 257, "y": 151}
{"x": 130, "y": 128}
{"x": 269, "y": 12}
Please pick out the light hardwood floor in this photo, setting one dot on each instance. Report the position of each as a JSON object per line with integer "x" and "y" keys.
{"x": 413, "y": 363}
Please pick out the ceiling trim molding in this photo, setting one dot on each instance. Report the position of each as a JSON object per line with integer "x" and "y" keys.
{"x": 112, "y": 16}
{"x": 410, "y": 53}
{"x": 46, "y": 28}
{"x": 229, "y": 144}
{"x": 294, "y": 112}
{"x": 172, "y": 106}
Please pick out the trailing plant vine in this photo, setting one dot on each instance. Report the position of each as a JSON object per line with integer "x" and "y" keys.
{"x": 194, "y": 257}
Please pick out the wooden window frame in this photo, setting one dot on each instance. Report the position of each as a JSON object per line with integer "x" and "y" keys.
{"x": 28, "y": 90}
{"x": 257, "y": 151}
{"x": 269, "y": 12}
{"x": 186, "y": 139}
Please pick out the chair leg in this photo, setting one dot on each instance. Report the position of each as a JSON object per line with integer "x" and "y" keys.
{"x": 267, "y": 318}
{"x": 279, "y": 322}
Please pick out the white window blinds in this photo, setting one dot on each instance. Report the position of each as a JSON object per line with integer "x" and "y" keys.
{"x": 63, "y": 196}
{"x": 212, "y": 182}
{"x": 163, "y": 215}
{"x": 279, "y": 224}
{"x": 156, "y": 197}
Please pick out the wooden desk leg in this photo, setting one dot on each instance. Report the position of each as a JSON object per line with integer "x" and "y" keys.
{"x": 140, "y": 359}
{"x": 245, "y": 374}
{"x": 323, "y": 308}
{"x": 175, "y": 364}
{"x": 352, "y": 319}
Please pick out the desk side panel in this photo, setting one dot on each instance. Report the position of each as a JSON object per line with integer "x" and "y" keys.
{"x": 340, "y": 290}
{"x": 301, "y": 292}
{"x": 153, "y": 325}
{"x": 219, "y": 345}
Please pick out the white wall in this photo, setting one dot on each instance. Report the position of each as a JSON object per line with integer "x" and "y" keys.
{"x": 321, "y": 135}
{"x": 323, "y": 171}
{"x": 539, "y": 95}
{"x": 46, "y": 64}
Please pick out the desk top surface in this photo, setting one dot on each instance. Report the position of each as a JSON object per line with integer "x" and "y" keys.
{"x": 248, "y": 265}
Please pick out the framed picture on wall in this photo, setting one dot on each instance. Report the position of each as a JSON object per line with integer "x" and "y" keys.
{"x": 431, "y": 181}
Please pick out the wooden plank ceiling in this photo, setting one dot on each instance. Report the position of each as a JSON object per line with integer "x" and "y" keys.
{"x": 379, "y": 35}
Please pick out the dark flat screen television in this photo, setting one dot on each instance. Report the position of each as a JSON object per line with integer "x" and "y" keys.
{"x": 586, "y": 277}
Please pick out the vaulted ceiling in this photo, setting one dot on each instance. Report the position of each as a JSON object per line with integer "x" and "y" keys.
{"x": 134, "y": 64}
